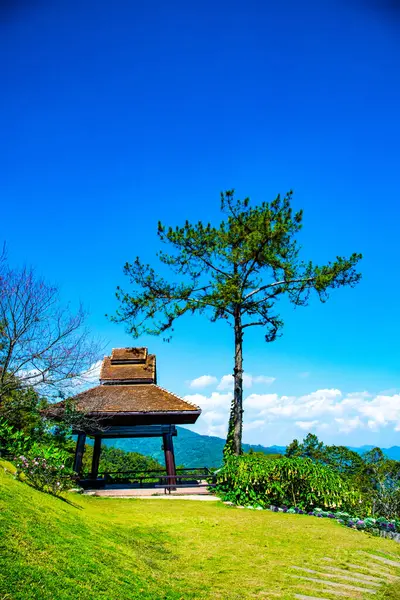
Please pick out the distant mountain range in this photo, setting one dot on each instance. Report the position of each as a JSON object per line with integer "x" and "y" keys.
{"x": 195, "y": 450}
{"x": 393, "y": 452}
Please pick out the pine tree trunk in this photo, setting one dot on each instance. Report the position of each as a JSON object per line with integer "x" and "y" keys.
{"x": 238, "y": 386}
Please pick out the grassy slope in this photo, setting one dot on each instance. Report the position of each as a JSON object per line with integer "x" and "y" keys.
{"x": 121, "y": 549}
{"x": 191, "y": 449}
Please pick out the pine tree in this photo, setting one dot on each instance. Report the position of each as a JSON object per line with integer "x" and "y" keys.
{"x": 235, "y": 272}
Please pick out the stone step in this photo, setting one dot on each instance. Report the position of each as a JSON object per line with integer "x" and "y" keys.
{"x": 344, "y": 586}
{"x": 346, "y": 577}
{"x": 371, "y": 569}
{"x": 357, "y": 574}
{"x": 304, "y": 597}
{"x": 386, "y": 561}
{"x": 331, "y": 592}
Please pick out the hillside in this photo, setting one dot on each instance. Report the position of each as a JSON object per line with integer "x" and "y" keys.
{"x": 195, "y": 450}
{"x": 191, "y": 449}
{"x": 393, "y": 452}
{"x": 87, "y": 548}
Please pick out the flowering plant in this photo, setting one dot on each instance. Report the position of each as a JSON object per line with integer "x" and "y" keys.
{"x": 256, "y": 480}
{"x": 369, "y": 524}
{"x": 45, "y": 469}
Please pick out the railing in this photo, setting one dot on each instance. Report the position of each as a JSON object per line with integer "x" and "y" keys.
{"x": 156, "y": 477}
{"x": 172, "y": 483}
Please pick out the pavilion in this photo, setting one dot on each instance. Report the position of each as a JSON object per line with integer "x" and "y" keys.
{"x": 128, "y": 403}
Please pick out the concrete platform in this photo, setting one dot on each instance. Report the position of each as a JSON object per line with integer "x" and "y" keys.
{"x": 138, "y": 494}
{"x": 133, "y": 491}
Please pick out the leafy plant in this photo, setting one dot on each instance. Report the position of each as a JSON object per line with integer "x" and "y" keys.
{"x": 376, "y": 477}
{"x": 44, "y": 468}
{"x": 229, "y": 448}
{"x": 12, "y": 441}
{"x": 255, "y": 480}
{"x": 386, "y": 496}
{"x": 21, "y": 408}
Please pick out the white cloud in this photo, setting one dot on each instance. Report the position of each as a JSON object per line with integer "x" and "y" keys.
{"x": 92, "y": 375}
{"x": 347, "y": 425}
{"x": 218, "y": 430}
{"x": 203, "y": 381}
{"x": 312, "y": 405}
{"x": 307, "y": 425}
{"x": 273, "y": 418}
{"x": 215, "y": 413}
{"x": 213, "y": 417}
{"x": 383, "y": 410}
{"x": 74, "y": 385}
{"x": 253, "y": 425}
{"x": 261, "y": 402}
{"x": 210, "y": 402}
{"x": 83, "y": 380}
{"x": 226, "y": 382}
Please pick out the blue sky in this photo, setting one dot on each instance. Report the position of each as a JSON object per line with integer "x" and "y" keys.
{"x": 114, "y": 116}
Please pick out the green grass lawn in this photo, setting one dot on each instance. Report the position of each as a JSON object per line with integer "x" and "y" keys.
{"x": 151, "y": 549}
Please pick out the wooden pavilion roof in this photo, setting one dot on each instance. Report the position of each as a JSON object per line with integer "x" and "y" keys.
{"x": 128, "y": 393}
{"x": 139, "y": 398}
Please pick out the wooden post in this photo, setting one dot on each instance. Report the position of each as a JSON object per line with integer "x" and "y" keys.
{"x": 169, "y": 458}
{"x": 80, "y": 449}
{"x": 96, "y": 456}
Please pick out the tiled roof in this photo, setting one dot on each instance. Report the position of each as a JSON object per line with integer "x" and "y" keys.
{"x": 129, "y": 372}
{"x": 140, "y": 398}
{"x": 129, "y": 354}
{"x": 128, "y": 391}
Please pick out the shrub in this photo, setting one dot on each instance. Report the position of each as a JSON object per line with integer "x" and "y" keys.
{"x": 44, "y": 468}
{"x": 386, "y": 497}
{"x": 297, "y": 482}
{"x": 11, "y": 440}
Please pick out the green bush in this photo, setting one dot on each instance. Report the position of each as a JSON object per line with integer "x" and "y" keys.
{"x": 256, "y": 481}
{"x": 12, "y": 441}
{"x": 376, "y": 477}
{"x": 44, "y": 468}
{"x": 42, "y": 465}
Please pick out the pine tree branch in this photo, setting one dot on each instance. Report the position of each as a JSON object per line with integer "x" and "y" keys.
{"x": 277, "y": 283}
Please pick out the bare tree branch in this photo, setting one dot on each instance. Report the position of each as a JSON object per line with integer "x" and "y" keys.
{"x": 42, "y": 344}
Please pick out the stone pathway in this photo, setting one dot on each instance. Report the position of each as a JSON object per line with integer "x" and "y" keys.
{"x": 353, "y": 577}
{"x": 126, "y": 491}
{"x": 327, "y": 580}
{"x": 386, "y": 561}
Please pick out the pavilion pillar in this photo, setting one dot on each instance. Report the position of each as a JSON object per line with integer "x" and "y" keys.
{"x": 80, "y": 449}
{"x": 169, "y": 457}
{"x": 96, "y": 456}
